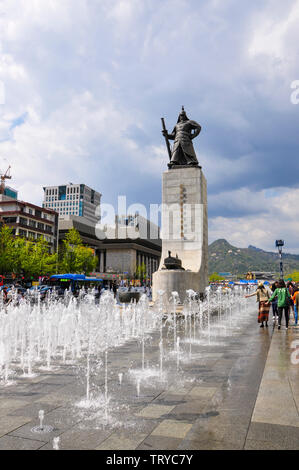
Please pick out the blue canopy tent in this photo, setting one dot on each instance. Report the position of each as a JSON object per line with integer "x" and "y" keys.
{"x": 69, "y": 277}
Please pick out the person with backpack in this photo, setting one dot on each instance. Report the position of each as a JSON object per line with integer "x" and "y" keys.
{"x": 283, "y": 302}
{"x": 262, "y": 297}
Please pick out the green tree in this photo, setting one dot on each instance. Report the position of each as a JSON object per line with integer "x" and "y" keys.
{"x": 44, "y": 261}
{"x": 215, "y": 277}
{"x": 294, "y": 276}
{"x": 68, "y": 263}
{"x": 27, "y": 260}
{"x": 141, "y": 271}
{"x": 33, "y": 258}
{"x": 6, "y": 250}
{"x": 85, "y": 259}
{"x": 74, "y": 256}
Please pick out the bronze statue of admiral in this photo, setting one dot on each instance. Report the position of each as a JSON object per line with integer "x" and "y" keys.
{"x": 183, "y": 133}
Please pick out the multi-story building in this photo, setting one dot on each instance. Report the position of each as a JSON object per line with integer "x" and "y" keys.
{"x": 29, "y": 221}
{"x": 73, "y": 199}
{"x": 133, "y": 241}
{"x": 10, "y": 193}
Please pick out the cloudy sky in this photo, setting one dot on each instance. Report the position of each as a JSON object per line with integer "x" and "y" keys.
{"x": 84, "y": 84}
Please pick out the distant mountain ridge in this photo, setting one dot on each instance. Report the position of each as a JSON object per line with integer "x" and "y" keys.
{"x": 224, "y": 257}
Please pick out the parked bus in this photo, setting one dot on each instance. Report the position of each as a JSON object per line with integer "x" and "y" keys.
{"x": 73, "y": 281}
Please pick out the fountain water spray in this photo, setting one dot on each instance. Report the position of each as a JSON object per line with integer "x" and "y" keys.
{"x": 42, "y": 429}
{"x": 138, "y": 387}
{"x": 161, "y": 357}
{"x": 41, "y": 416}
{"x": 56, "y": 443}
{"x": 106, "y": 385}
{"x": 178, "y": 353}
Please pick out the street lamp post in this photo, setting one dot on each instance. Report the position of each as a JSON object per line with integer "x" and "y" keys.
{"x": 280, "y": 244}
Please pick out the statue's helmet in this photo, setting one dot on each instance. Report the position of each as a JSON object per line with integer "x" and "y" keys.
{"x": 183, "y": 115}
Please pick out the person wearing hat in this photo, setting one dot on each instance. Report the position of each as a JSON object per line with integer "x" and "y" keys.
{"x": 262, "y": 297}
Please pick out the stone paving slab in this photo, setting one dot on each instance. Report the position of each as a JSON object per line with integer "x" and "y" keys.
{"x": 212, "y": 445}
{"x": 172, "y": 428}
{"x": 154, "y": 411}
{"x": 32, "y": 409}
{"x": 12, "y": 423}
{"x": 17, "y": 443}
{"x": 277, "y": 401}
{"x": 60, "y": 419}
{"x": 203, "y": 392}
{"x": 9, "y": 405}
{"x": 159, "y": 443}
{"x": 120, "y": 441}
{"x": 282, "y": 437}
{"x": 81, "y": 438}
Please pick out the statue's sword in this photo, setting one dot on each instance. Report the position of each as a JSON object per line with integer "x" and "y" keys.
{"x": 166, "y": 139}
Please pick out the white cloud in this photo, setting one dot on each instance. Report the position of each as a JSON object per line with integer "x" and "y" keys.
{"x": 273, "y": 34}
{"x": 80, "y": 75}
{"x": 279, "y": 219}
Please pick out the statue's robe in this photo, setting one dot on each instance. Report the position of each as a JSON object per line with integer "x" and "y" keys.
{"x": 183, "y": 150}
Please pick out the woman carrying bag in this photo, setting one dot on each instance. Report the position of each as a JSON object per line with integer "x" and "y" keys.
{"x": 262, "y": 297}
{"x": 283, "y": 302}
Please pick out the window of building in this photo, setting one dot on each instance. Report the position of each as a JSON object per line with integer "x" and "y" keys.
{"x": 32, "y": 223}
{"x": 10, "y": 220}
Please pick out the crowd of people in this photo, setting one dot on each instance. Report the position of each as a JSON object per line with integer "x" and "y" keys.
{"x": 284, "y": 299}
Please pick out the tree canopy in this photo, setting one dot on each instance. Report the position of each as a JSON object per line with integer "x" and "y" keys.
{"x": 32, "y": 259}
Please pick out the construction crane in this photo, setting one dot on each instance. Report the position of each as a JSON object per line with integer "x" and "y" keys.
{"x": 3, "y": 177}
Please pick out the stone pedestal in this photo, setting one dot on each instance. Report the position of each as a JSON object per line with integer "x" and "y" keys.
{"x": 184, "y": 231}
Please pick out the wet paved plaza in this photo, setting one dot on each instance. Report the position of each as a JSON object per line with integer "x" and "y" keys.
{"x": 238, "y": 392}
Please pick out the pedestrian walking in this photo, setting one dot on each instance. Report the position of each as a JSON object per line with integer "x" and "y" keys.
{"x": 296, "y": 304}
{"x": 291, "y": 286}
{"x": 294, "y": 297}
{"x": 274, "y": 303}
{"x": 114, "y": 288}
{"x": 283, "y": 302}
{"x": 262, "y": 297}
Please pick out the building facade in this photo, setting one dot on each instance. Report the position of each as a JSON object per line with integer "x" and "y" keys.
{"x": 73, "y": 200}
{"x": 133, "y": 241}
{"x": 29, "y": 221}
